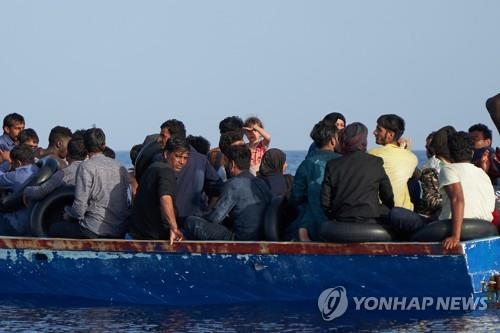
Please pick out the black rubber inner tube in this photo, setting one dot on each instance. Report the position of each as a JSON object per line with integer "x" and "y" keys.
{"x": 50, "y": 210}
{"x": 14, "y": 201}
{"x": 145, "y": 158}
{"x": 471, "y": 229}
{"x": 354, "y": 232}
{"x": 278, "y": 216}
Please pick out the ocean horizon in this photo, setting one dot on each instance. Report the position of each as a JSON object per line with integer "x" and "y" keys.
{"x": 293, "y": 158}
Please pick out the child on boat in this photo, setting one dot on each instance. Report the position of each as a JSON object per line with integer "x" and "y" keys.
{"x": 258, "y": 141}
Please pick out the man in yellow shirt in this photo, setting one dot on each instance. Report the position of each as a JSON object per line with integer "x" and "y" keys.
{"x": 399, "y": 163}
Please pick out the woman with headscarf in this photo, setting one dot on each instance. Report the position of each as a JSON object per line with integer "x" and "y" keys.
{"x": 272, "y": 169}
{"x": 354, "y": 183}
{"x": 335, "y": 120}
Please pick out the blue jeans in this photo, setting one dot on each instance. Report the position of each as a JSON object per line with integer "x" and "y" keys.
{"x": 198, "y": 228}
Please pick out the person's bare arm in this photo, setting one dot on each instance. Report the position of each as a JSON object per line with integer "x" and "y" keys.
{"x": 265, "y": 135}
{"x": 456, "y": 195}
{"x": 168, "y": 214}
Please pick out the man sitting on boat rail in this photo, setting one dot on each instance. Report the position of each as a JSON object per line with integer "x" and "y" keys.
{"x": 244, "y": 199}
{"x": 101, "y": 206}
{"x": 153, "y": 213}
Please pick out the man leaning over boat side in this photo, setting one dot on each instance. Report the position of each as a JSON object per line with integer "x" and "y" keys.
{"x": 16, "y": 223}
{"x": 240, "y": 207}
{"x": 100, "y": 207}
{"x": 153, "y": 213}
{"x": 399, "y": 162}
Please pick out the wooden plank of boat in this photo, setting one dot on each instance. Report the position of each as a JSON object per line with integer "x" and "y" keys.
{"x": 114, "y": 245}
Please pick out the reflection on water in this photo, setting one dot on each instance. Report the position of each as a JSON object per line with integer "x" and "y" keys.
{"x": 304, "y": 317}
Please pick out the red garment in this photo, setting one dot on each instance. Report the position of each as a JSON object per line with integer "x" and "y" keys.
{"x": 496, "y": 218}
{"x": 257, "y": 154}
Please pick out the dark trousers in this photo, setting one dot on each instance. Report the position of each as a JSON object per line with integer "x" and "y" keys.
{"x": 406, "y": 221}
{"x": 70, "y": 229}
{"x": 198, "y": 228}
{"x": 6, "y": 229}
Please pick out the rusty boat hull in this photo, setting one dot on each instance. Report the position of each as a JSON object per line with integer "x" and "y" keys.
{"x": 194, "y": 273}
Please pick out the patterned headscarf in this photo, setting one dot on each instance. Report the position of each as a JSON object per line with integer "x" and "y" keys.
{"x": 354, "y": 138}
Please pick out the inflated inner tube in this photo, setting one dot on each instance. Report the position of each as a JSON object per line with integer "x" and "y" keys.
{"x": 471, "y": 229}
{"x": 50, "y": 210}
{"x": 145, "y": 158}
{"x": 354, "y": 232}
{"x": 277, "y": 218}
{"x": 14, "y": 201}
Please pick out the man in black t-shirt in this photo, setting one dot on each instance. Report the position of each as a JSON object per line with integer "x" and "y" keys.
{"x": 153, "y": 214}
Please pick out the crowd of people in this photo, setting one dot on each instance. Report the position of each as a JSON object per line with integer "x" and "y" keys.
{"x": 189, "y": 191}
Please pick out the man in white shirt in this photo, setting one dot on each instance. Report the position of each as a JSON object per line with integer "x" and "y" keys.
{"x": 466, "y": 190}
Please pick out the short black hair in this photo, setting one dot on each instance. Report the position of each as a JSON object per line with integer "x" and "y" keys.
{"x": 322, "y": 133}
{"x": 228, "y": 138}
{"x": 78, "y": 134}
{"x": 176, "y": 143}
{"x": 461, "y": 147}
{"x": 175, "y": 127}
{"x": 428, "y": 146}
{"x": 76, "y": 149}
{"x": 439, "y": 144}
{"x": 108, "y": 152}
{"x": 23, "y": 154}
{"x": 58, "y": 133}
{"x": 28, "y": 134}
{"x": 134, "y": 152}
{"x": 12, "y": 118}
{"x": 229, "y": 124}
{"x": 199, "y": 143}
{"x": 393, "y": 123}
{"x": 94, "y": 140}
{"x": 332, "y": 118}
{"x": 487, "y": 134}
{"x": 240, "y": 155}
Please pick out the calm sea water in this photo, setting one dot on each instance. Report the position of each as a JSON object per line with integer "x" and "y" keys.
{"x": 293, "y": 158}
{"x": 46, "y": 315}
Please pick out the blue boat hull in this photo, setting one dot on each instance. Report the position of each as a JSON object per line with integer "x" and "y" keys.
{"x": 197, "y": 273}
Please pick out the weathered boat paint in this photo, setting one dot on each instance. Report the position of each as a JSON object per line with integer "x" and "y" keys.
{"x": 189, "y": 273}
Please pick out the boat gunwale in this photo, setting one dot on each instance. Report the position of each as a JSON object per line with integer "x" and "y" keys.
{"x": 223, "y": 247}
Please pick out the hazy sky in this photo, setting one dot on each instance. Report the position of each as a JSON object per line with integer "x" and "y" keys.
{"x": 127, "y": 66}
